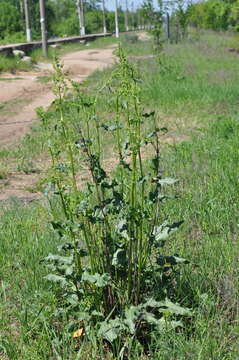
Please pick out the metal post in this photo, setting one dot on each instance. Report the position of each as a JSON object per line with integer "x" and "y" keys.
{"x": 104, "y": 20}
{"x": 27, "y": 21}
{"x": 116, "y": 20}
{"x": 43, "y": 27}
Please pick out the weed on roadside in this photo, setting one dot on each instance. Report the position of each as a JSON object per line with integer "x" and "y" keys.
{"x": 116, "y": 280}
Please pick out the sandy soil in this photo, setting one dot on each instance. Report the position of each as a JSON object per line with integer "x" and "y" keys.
{"x": 27, "y": 87}
{"x": 23, "y": 93}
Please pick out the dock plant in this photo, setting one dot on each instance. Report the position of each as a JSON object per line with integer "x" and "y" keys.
{"x": 111, "y": 273}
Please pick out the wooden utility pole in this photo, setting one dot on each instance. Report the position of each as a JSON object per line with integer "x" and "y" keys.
{"x": 116, "y": 20}
{"x": 80, "y": 11}
{"x": 126, "y": 16}
{"x": 104, "y": 19}
{"x": 43, "y": 27}
{"x": 27, "y": 21}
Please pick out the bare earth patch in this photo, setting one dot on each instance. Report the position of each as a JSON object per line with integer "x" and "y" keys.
{"x": 20, "y": 97}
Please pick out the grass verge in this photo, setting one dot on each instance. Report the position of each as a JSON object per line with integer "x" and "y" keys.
{"x": 194, "y": 87}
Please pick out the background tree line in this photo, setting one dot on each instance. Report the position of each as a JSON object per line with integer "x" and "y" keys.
{"x": 215, "y": 14}
{"x": 62, "y": 18}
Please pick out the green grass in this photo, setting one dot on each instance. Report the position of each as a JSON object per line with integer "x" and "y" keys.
{"x": 194, "y": 78}
{"x": 44, "y": 79}
{"x": 20, "y": 266}
{"x": 13, "y": 64}
{"x": 3, "y": 172}
{"x": 233, "y": 42}
{"x": 10, "y": 79}
{"x": 17, "y": 37}
{"x": 11, "y": 107}
{"x": 195, "y": 91}
{"x": 207, "y": 167}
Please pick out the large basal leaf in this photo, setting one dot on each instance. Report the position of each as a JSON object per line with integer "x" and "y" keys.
{"x": 166, "y": 325}
{"x": 56, "y": 279}
{"x": 61, "y": 260}
{"x": 96, "y": 279}
{"x": 167, "y": 306}
{"x": 131, "y": 317}
{"x": 175, "y": 309}
{"x": 110, "y": 330}
{"x": 161, "y": 324}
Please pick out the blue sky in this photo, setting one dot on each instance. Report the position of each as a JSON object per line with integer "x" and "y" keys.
{"x": 110, "y": 4}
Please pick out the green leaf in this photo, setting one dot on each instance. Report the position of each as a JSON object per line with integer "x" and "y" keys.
{"x": 56, "y": 279}
{"x": 96, "y": 313}
{"x": 59, "y": 227}
{"x": 96, "y": 279}
{"x": 163, "y": 231}
{"x": 111, "y": 127}
{"x": 171, "y": 260}
{"x": 125, "y": 165}
{"x": 163, "y": 324}
{"x": 167, "y": 181}
{"x": 119, "y": 259}
{"x": 175, "y": 308}
{"x": 65, "y": 246}
{"x": 61, "y": 260}
{"x": 150, "y": 135}
{"x": 110, "y": 330}
{"x": 167, "y": 306}
{"x": 69, "y": 270}
{"x": 83, "y": 316}
{"x": 152, "y": 303}
{"x": 72, "y": 299}
{"x": 131, "y": 316}
{"x": 147, "y": 115}
{"x": 150, "y": 318}
{"x": 122, "y": 229}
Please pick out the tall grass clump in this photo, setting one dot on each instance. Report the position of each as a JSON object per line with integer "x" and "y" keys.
{"x": 112, "y": 276}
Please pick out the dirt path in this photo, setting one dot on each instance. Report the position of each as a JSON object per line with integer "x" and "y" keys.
{"x": 20, "y": 95}
{"x": 23, "y": 93}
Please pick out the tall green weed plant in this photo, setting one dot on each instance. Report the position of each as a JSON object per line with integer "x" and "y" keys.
{"x": 111, "y": 273}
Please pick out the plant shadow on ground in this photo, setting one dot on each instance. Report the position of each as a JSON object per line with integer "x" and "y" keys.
{"x": 207, "y": 167}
